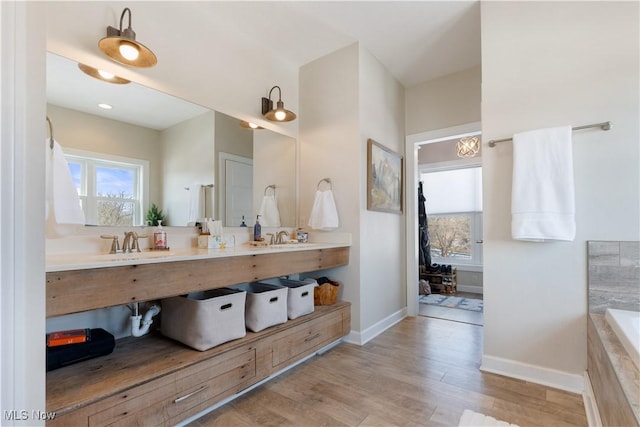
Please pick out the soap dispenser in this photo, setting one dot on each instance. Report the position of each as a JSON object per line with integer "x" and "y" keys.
{"x": 160, "y": 237}
{"x": 257, "y": 230}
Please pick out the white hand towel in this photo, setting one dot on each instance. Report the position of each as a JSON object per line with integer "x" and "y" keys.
{"x": 269, "y": 213}
{"x": 324, "y": 215}
{"x": 543, "y": 199}
{"x": 196, "y": 202}
{"x": 63, "y": 211}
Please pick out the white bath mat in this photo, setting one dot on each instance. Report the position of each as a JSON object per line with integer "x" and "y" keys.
{"x": 470, "y": 418}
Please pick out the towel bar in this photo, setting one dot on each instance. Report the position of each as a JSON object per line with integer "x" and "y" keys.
{"x": 603, "y": 126}
{"x": 328, "y": 181}
{"x": 50, "y": 133}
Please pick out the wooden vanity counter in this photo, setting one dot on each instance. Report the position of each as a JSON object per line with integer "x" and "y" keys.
{"x": 154, "y": 380}
{"x": 75, "y": 290}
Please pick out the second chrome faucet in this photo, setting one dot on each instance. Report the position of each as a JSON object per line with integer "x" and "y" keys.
{"x": 129, "y": 244}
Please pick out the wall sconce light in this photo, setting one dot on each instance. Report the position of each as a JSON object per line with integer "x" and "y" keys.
{"x": 102, "y": 75}
{"x": 279, "y": 114}
{"x": 468, "y": 146}
{"x": 121, "y": 46}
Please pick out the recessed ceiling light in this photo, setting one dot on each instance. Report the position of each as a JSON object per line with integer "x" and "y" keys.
{"x": 105, "y": 106}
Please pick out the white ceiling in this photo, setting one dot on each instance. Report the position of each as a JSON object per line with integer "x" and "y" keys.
{"x": 416, "y": 41}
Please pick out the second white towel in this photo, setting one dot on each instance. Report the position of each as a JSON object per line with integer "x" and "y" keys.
{"x": 269, "y": 213}
{"x": 63, "y": 211}
{"x": 196, "y": 202}
{"x": 324, "y": 214}
{"x": 542, "y": 199}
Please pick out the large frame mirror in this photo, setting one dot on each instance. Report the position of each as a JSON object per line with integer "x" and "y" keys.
{"x": 180, "y": 149}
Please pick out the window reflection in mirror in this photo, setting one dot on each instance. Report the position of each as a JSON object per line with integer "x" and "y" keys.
{"x": 181, "y": 144}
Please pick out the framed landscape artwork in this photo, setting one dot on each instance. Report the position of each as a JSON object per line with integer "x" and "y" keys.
{"x": 384, "y": 179}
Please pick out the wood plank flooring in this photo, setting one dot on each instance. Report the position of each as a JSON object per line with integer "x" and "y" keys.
{"x": 421, "y": 372}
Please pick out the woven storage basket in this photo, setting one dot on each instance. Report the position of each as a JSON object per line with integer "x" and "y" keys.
{"x": 326, "y": 294}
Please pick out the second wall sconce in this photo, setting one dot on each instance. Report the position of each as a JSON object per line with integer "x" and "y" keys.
{"x": 121, "y": 46}
{"x": 279, "y": 114}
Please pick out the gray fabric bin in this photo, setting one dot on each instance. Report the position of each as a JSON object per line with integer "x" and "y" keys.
{"x": 266, "y": 305}
{"x": 205, "y": 319}
{"x": 299, "y": 297}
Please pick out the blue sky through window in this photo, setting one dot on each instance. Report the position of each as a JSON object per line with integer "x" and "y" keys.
{"x": 76, "y": 173}
{"x": 114, "y": 181}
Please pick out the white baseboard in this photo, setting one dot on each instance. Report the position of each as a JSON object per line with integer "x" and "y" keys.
{"x": 590, "y": 404}
{"x": 573, "y": 383}
{"x": 361, "y": 338}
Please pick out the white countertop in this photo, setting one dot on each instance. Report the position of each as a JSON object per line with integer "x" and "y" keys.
{"x": 81, "y": 261}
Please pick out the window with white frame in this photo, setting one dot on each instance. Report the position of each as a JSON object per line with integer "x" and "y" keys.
{"x": 454, "y": 214}
{"x": 112, "y": 189}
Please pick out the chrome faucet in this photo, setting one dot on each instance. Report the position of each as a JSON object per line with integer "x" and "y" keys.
{"x": 130, "y": 242}
{"x": 126, "y": 242}
{"x": 135, "y": 245}
{"x": 279, "y": 239}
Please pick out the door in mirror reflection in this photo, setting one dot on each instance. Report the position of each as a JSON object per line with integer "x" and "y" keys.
{"x": 238, "y": 203}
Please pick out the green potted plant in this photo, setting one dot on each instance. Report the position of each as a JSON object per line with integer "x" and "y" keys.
{"x": 154, "y": 215}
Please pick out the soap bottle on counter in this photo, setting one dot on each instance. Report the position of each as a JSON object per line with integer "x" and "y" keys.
{"x": 257, "y": 230}
{"x": 160, "y": 237}
{"x": 302, "y": 236}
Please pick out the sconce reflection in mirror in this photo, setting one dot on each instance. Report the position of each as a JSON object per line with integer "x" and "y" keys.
{"x": 250, "y": 125}
{"x": 121, "y": 46}
{"x": 279, "y": 114}
{"x": 102, "y": 75}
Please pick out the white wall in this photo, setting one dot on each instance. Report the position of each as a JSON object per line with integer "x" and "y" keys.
{"x": 22, "y": 186}
{"x": 447, "y": 101}
{"x": 330, "y": 147}
{"x": 382, "y": 243}
{"x": 346, "y": 98}
{"x": 547, "y": 64}
{"x": 274, "y": 163}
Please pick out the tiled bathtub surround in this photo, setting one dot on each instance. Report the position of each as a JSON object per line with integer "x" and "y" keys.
{"x": 614, "y": 276}
{"x": 614, "y": 282}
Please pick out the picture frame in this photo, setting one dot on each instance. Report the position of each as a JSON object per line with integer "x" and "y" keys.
{"x": 384, "y": 179}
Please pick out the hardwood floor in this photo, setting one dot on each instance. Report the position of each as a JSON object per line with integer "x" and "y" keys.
{"x": 421, "y": 372}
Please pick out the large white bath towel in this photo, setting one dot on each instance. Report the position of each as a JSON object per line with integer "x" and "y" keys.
{"x": 324, "y": 214}
{"x": 542, "y": 198}
{"x": 196, "y": 202}
{"x": 269, "y": 213}
{"x": 63, "y": 211}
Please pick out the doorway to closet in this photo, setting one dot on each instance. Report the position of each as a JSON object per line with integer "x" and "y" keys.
{"x": 449, "y": 268}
